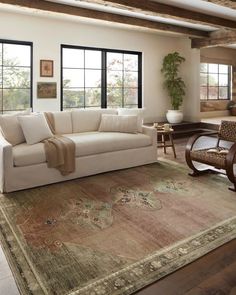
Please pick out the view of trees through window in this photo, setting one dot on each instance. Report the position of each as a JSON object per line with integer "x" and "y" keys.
{"x": 15, "y": 76}
{"x": 215, "y": 81}
{"x": 100, "y": 78}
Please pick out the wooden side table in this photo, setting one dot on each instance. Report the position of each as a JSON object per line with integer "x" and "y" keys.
{"x": 166, "y": 143}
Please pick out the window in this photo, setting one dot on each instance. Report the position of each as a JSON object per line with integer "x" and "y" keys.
{"x": 15, "y": 76}
{"x": 100, "y": 78}
{"x": 215, "y": 81}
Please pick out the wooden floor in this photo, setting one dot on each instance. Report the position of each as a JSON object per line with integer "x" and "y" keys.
{"x": 213, "y": 274}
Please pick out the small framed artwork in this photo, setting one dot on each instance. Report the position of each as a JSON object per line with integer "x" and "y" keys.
{"x": 46, "y": 68}
{"x": 47, "y": 90}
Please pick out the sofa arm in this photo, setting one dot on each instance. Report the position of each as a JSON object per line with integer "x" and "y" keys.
{"x": 6, "y": 159}
{"x": 152, "y": 132}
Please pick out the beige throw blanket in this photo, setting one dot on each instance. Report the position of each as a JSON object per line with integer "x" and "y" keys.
{"x": 59, "y": 150}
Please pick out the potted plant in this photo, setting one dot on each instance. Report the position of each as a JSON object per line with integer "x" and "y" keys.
{"x": 174, "y": 85}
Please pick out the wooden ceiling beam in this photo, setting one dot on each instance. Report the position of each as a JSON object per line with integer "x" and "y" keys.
{"x": 105, "y": 16}
{"x": 225, "y": 3}
{"x": 164, "y": 10}
{"x": 216, "y": 38}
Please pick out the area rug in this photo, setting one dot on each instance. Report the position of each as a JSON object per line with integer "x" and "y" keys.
{"x": 114, "y": 233}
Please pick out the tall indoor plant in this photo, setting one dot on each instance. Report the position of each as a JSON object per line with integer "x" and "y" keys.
{"x": 174, "y": 85}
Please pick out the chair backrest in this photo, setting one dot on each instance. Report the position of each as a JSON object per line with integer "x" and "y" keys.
{"x": 227, "y": 131}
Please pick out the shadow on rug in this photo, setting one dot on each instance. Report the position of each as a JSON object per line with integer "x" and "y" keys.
{"x": 113, "y": 233}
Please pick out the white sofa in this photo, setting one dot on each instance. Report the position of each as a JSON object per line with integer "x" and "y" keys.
{"x": 24, "y": 166}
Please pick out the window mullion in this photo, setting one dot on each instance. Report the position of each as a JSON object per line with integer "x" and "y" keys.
{"x": 104, "y": 80}
{"x": 84, "y": 82}
{"x": 2, "y": 82}
{"x": 123, "y": 81}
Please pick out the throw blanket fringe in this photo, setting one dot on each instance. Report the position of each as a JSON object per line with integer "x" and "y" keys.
{"x": 59, "y": 150}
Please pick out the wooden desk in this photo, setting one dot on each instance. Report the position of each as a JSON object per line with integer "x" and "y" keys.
{"x": 163, "y": 143}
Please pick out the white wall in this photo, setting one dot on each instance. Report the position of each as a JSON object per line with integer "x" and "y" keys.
{"x": 47, "y": 34}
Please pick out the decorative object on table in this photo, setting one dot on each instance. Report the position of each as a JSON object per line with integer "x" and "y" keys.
{"x": 49, "y": 234}
{"x": 174, "y": 85}
{"x": 163, "y": 127}
{"x": 47, "y": 90}
{"x": 167, "y": 127}
{"x": 46, "y": 68}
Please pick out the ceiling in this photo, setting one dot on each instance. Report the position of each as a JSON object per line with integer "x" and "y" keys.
{"x": 208, "y": 22}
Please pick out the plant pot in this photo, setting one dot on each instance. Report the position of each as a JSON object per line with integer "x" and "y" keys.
{"x": 174, "y": 116}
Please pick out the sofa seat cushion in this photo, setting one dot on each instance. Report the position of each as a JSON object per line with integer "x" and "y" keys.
{"x": 28, "y": 154}
{"x": 88, "y": 143}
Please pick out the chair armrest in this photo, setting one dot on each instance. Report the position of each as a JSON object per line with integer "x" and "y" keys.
{"x": 194, "y": 141}
{"x": 194, "y": 138}
{"x": 152, "y": 132}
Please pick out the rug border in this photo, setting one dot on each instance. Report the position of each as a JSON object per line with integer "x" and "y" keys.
{"x": 13, "y": 254}
{"x": 128, "y": 290}
{"x": 26, "y": 286}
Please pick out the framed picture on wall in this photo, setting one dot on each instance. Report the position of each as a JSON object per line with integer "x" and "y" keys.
{"x": 47, "y": 90}
{"x": 46, "y": 68}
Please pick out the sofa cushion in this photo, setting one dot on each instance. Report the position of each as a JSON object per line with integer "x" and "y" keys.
{"x": 35, "y": 128}
{"x": 63, "y": 122}
{"x": 86, "y": 144}
{"x": 28, "y": 154}
{"x": 85, "y": 120}
{"x": 133, "y": 112}
{"x": 11, "y": 128}
{"x": 115, "y": 123}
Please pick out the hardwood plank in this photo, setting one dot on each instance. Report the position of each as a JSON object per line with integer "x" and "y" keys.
{"x": 223, "y": 282}
{"x": 105, "y": 16}
{"x": 164, "y": 10}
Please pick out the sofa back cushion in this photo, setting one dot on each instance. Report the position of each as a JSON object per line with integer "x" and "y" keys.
{"x": 85, "y": 120}
{"x": 63, "y": 122}
{"x": 35, "y": 128}
{"x": 133, "y": 112}
{"x": 115, "y": 123}
{"x": 11, "y": 129}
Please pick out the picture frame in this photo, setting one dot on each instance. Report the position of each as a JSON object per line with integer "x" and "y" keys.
{"x": 47, "y": 90}
{"x": 46, "y": 68}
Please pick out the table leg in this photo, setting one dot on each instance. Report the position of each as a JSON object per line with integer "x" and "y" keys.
{"x": 164, "y": 142}
{"x": 172, "y": 143}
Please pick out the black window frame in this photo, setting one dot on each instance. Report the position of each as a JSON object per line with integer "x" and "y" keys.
{"x": 104, "y": 52}
{"x": 17, "y": 42}
{"x": 218, "y": 86}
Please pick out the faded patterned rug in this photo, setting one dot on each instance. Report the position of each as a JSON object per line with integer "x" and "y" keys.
{"x": 114, "y": 233}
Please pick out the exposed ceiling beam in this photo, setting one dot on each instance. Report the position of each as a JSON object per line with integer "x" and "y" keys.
{"x": 217, "y": 38}
{"x": 168, "y": 11}
{"x": 226, "y": 3}
{"x": 110, "y": 17}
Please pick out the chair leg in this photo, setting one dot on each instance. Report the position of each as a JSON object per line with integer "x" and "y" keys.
{"x": 233, "y": 188}
{"x": 230, "y": 173}
{"x": 197, "y": 172}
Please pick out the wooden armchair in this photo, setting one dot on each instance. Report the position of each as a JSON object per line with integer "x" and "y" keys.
{"x": 220, "y": 155}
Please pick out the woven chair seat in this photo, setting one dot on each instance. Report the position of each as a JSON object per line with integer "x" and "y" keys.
{"x": 214, "y": 159}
